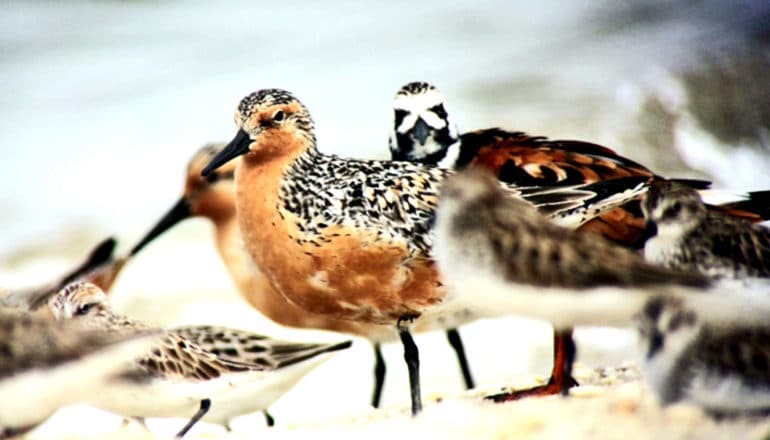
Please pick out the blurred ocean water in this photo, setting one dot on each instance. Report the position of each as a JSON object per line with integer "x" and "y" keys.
{"x": 103, "y": 102}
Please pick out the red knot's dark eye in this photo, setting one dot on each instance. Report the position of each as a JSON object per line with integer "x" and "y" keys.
{"x": 278, "y": 116}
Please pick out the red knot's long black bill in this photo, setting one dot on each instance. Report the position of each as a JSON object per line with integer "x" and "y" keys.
{"x": 238, "y": 146}
{"x": 177, "y": 213}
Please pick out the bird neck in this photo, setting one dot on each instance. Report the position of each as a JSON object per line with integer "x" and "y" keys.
{"x": 451, "y": 156}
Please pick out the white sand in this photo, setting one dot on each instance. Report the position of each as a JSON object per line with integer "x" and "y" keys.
{"x": 333, "y": 400}
{"x": 608, "y": 407}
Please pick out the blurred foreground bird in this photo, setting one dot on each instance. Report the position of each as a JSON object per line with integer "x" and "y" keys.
{"x": 518, "y": 262}
{"x": 45, "y": 365}
{"x": 209, "y": 373}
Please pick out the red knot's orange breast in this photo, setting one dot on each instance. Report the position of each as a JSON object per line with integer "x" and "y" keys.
{"x": 345, "y": 272}
{"x": 257, "y": 291}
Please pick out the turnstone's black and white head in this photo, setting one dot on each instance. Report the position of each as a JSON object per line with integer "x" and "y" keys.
{"x": 423, "y": 130}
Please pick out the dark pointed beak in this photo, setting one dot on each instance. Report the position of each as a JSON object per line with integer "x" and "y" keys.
{"x": 650, "y": 230}
{"x": 656, "y": 343}
{"x": 179, "y": 212}
{"x": 238, "y": 146}
{"x": 421, "y": 131}
{"x": 101, "y": 254}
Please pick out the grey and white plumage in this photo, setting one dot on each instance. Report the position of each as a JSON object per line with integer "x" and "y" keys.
{"x": 520, "y": 263}
{"x": 240, "y": 372}
{"x": 724, "y": 369}
{"x": 685, "y": 235}
{"x": 45, "y": 365}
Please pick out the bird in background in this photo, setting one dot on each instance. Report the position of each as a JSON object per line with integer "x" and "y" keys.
{"x": 352, "y": 238}
{"x": 685, "y": 234}
{"x": 424, "y": 131}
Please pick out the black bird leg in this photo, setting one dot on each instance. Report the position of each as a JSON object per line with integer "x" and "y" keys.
{"x": 379, "y": 375}
{"x": 268, "y": 418}
{"x": 204, "y": 408}
{"x": 453, "y": 335}
{"x": 412, "y": 358}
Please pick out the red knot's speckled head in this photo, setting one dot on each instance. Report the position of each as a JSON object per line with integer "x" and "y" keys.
{"x": 270, "y": 122}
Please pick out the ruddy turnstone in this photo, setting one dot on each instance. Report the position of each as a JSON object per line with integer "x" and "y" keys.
{"x": 424, "y": 131}
{"x": 525, "y": 160}
{"x": 214, "y": 373}
{"x": 352, "y": 238}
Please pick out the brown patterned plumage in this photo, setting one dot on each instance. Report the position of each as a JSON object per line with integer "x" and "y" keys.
{"x": 516, "y": 262}
{"x": 193, "y": 364}
{"x": 480, "y": 224}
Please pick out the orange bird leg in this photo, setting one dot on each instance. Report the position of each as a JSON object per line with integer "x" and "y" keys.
{"x": 561, "y": 375}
